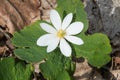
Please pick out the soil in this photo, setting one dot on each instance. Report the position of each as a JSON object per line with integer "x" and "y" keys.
{"x": 103, "y": 16}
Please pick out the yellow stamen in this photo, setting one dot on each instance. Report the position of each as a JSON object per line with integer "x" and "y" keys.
{"x": 61, "y": 33}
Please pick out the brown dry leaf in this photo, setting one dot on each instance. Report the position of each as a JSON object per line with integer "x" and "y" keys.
{"x": 46, "y": 6}
{"x": 83, "y": 71}
{"x": 115, "y": 63}
{"x": 116, "y": 73}
{"x": 3, "y": 50}
{"x": 15, "y": 14}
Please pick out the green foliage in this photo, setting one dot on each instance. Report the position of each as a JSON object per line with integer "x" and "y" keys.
{"x": 12, "y": 70}
{"x": 96, "y": 47}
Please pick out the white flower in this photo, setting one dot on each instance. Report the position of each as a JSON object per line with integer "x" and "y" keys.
{"x": 60, "y": 33}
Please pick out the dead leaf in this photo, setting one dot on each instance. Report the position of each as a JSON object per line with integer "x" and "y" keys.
{"x": 15, "y": 14}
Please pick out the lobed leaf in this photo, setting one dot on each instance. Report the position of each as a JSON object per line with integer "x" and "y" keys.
{"x": 12, "y": 70}
{"x": 25, "y": 41}
{"x": 57, "y": 67}
{"x": 96, "y": 49}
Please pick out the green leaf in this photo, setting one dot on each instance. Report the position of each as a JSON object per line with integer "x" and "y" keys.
{"x": 70, "y": 7}
{"x": 12, "y": 70}
{"x": 25, "y": 41}
{"x": 96, "y": 49}
{"x": 57, "y": 67}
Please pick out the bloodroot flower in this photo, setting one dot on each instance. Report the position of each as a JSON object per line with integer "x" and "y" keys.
{"x": 60, "y": 33}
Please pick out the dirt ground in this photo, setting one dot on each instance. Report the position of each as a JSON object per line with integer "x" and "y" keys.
{"x": 28, "y": 11}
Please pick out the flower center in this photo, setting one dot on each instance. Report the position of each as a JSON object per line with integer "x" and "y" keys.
{"x": 61, "y": 33}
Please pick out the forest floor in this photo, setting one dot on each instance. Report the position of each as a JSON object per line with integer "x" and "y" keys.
{"x": 24, "y": 15}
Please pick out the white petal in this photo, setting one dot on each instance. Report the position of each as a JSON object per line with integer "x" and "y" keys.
{"x": 74, "y": 28}
{"x": 67, "y": 20}
{"x": 43, "y": 40}
{"x": 48, "y": 28}
{"x": 52, "y": 44}
{"x": 74, "y": 40}
{"x": 55, "y": 19}
{"x": 65, "y": 48}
